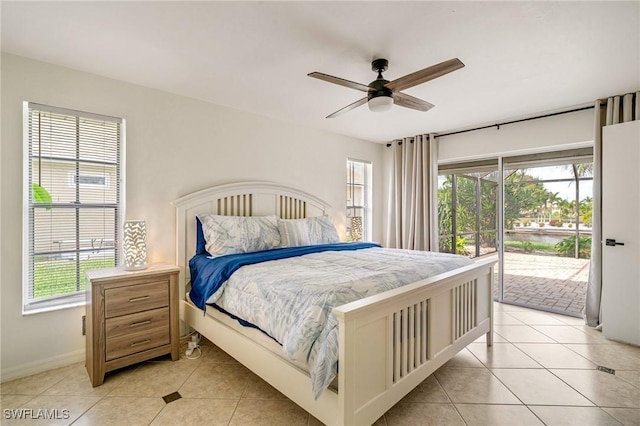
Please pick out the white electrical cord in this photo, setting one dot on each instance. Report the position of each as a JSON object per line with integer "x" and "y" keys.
{"x": 190, "y": 351}
{"x": 194, "y": 347}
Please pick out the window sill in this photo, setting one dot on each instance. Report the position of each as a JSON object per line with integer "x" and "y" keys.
{"x": 54, "y": 304}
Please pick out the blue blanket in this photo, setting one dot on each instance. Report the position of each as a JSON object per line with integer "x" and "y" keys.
{"x": 208, "y": 274}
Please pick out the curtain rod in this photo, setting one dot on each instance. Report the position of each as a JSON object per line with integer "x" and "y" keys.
{"x": 497, "y": 125}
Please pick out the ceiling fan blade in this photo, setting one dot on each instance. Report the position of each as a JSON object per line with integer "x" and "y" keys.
{"x": 408, "y": 101}
{"x": 339, "y": 81}
{"x": 424, "y": 75}
{"x": 356, "y": 104}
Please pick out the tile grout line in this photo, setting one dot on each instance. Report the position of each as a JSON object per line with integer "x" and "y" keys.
{"x": 559, "y": 378}
{"x": 181, "y": 385}
{"x": 448, "y": 397}
{"x": 543, "y": 367}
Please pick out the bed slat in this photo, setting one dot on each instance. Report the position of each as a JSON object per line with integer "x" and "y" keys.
{"x": 292, "y": 208}
{"x": 410, "y": 348}
{"x": 464, "y": 302}
{"x": 235, "y": 205}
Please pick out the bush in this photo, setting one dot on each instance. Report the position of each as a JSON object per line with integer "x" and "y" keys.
{"x": 567, "y": 247}
{"x": 461, "y": 247}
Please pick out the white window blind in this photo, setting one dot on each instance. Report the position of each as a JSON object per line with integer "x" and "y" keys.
{"x": 72, "y": 223}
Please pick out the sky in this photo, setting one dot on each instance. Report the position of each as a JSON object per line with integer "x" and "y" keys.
{"x": 565, "y": 190}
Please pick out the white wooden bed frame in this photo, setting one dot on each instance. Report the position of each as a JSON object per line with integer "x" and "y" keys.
{"x": 388, "y": 343}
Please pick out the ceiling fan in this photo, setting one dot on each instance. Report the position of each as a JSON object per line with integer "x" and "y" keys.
{"x": 381, "y": 93}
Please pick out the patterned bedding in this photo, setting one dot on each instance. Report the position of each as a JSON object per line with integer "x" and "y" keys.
{"x": 291, "y": 298}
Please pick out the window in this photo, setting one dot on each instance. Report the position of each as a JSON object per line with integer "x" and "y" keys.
{"x": 358, "y": 200}
{"x": 87, "y": 180}
{"x": 72, "y": 202}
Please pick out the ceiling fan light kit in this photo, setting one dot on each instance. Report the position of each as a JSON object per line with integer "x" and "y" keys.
{"x": 381, "y": 93}
{"x": 380, "y": 103}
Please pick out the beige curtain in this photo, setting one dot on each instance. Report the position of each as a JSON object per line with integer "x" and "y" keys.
{"x": 411, "y": 206}
{"x": 614, "y": 110}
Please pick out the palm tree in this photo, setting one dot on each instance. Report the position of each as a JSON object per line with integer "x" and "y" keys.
{"x": 586, "y": 211}
{"x": 552, "y": 200}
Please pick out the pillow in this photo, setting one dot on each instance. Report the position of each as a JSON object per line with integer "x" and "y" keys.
{"x": 306, "y": 232}
{"x": 239, "y": 234}
{"x": 200, "y": 241}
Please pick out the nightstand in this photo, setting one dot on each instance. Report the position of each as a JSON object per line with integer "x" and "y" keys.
{"x": 132, "y": 316}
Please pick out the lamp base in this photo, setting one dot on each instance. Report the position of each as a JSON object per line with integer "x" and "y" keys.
{"x": 135, "y": 267}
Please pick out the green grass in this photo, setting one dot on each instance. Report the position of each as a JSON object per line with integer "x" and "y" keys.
{"x": 535, "y": 245}
{"x": 58, "y": 277}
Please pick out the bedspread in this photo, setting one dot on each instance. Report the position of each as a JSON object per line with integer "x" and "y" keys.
{"x": 292, "y": 299}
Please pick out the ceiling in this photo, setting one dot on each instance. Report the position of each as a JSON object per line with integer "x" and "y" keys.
{"x": 521, "y": 58}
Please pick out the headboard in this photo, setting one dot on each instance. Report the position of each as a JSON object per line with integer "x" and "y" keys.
{"x": 237, "y": 199}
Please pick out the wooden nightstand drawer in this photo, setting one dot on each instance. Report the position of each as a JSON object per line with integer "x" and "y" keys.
{"x": 135, "y": 323}
{"x": 136, "y": 298}
{"x": 132, "y": 343}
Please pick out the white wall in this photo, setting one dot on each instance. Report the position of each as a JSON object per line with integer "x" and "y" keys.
{"x": 175, "y": 145}
{"x": 564, "y": 131}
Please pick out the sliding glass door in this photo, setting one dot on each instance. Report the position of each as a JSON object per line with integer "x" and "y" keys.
{"x": 534, "y": 211}
{"x": 547, "y": 231}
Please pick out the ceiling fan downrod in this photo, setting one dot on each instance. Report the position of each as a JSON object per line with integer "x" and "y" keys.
{"x": 377, "y": 87}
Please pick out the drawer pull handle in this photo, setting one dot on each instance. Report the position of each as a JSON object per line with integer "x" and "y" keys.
{"x": 139, "y": 323}
{"x": 142, "y": 342}
{"x": 138, "y": 299}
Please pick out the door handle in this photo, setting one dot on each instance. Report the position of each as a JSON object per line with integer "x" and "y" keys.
{"x": 612, "y": 242}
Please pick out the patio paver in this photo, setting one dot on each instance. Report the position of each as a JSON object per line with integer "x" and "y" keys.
{"x": 553, "y": 283}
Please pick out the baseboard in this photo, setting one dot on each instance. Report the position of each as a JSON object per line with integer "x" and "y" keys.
{"x": 35, "y": 367}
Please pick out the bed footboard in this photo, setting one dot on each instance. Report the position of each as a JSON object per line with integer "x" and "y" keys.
{"x": 391, "y": 342}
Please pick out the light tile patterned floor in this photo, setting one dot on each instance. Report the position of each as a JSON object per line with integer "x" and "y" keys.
{"x": 541, "y": 370}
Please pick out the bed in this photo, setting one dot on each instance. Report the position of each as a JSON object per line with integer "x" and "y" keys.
{"x": 387, "y": 343}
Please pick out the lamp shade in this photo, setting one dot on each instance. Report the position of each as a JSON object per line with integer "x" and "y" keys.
{"x": 134, "y": 244}
{"x": 356, "y": 228}
{"x": 380, "y": 103}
